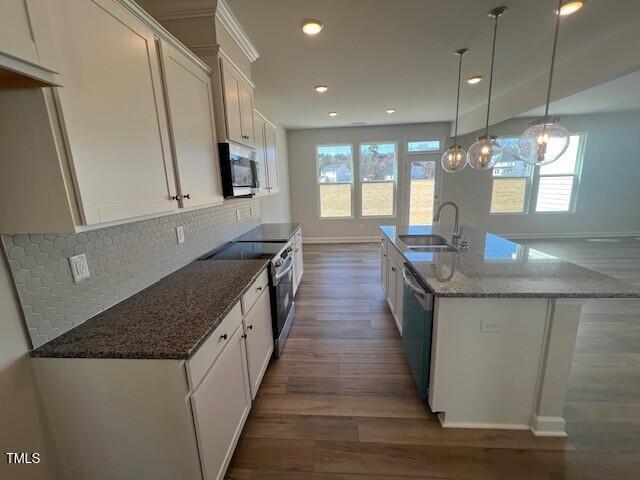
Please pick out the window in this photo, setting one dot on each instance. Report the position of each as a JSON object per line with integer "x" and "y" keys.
{"x": 558, "y": 181}
{"x": 423, "y": 146}
{"x": 511, "y": 179}
{"x": 335, "y": 180}
{"x": 378, "y": 178}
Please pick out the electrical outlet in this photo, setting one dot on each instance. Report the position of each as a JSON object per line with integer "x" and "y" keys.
{"x": 79, "y": 267}
{"x": 237, "y": 215}
{"x": 491, "y": 325}
{"x": 180, "y": 234}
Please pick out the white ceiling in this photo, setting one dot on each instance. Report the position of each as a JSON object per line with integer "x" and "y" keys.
{"x": 376, "y": 54}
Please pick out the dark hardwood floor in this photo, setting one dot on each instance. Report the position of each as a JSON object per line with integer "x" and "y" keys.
{"x": 340, "y": 403}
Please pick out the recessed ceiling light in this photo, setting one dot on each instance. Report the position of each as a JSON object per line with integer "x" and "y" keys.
{"x": 570, "y": 8}
{"x": 333, "y": 114}
{"x": 474, "y": 79}
{"x": 391, "y": 110}
{"x": 312, "y": 26}
{"x": 321, "y": 88}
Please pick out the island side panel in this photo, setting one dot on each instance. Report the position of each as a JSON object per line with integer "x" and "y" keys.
{"x": 116, "y": 418}
{"x": 562, "y": 330}
{"x": 486, "y": 357}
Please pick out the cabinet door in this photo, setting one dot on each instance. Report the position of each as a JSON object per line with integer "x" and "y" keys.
{"x": 191, "y": 122}
{"x": 272, "y": 158}
{"x": 391, "y": 285}
{"x": 231, "y": 87}
{"x": 19, "y": 22}
{"x": 259, "y": 333}
{"x": 261, "y": 156}
{"x": 246, "y": 113}
{"x": 113, "y": 111}
{"x": 220, "y": 406}
{"x": 384, "y": 261}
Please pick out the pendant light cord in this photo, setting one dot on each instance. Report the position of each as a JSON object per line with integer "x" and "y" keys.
{"x": 493, "y": 54}
{"x": 553, "y": 60}
{"x": 459, "y": 53}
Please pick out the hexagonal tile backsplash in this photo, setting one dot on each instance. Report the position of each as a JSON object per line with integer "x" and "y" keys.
{"x": 123, "y": 260}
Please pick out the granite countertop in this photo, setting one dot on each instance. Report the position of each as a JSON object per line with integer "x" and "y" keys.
{"x": 270, "y": 232}
{"x": 494, "y": 266}
{"x": 168, "y": 320}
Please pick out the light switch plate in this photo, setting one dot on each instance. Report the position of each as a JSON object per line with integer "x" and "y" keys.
{"x": 79, "y": 267}
{"x": 180, "y": 234}
{"x": 492, "y": 325}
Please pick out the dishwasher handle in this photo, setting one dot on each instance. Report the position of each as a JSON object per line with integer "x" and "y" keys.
{"x": 412, "y": 284}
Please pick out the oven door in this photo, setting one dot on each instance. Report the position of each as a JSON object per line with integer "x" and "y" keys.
{"x": 283, "y": 287}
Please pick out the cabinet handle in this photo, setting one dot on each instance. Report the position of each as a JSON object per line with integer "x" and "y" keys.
{"x": 250, "y": 327}
{"x": 259, "y": 289}
{"x": 244, "y": 335}
{"x": 187, "y": 195}
{"x": 224, "y": 336}
{"x": 175, "y": 197}
{"x": 393, "y": 268}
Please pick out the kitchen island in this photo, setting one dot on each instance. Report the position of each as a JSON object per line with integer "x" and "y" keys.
{"x": 500, "y": 325}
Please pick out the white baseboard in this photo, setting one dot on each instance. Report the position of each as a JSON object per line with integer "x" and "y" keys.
{"x": 548, "y": 426}
{"x": 490, "y": 426}
{"x": 554, "y": 236}
{"x": 375, "y": 239}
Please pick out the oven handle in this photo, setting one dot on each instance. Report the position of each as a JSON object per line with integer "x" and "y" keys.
{"x": 281, "y": 273}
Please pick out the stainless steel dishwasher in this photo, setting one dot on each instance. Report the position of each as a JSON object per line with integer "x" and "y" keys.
{"x": 417, "y": 323}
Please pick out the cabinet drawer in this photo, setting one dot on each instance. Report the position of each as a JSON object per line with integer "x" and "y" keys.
{"x": 256, "y": 288}
{"x": 202, "y": 360}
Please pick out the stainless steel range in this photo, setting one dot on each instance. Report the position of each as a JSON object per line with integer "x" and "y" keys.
{"x": 280, "y": 283}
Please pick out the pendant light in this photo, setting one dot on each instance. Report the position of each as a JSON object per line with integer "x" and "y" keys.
{"x": 485, "y": 152}
{"x": 455, "y": 158}
{"x": 546, "y": 140}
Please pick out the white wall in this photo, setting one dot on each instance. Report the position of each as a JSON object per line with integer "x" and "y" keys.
{"x": 608, "y": 200}
{"x": 22, "y": 422}
{"x": 277, "y": 208}
{"x": 302, "y": 164}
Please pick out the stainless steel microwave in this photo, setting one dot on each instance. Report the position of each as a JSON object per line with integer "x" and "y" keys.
{"x": 239, "y": 171}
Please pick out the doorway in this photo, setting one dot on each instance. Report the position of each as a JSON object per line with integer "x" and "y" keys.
{"x": 421, "y": 186}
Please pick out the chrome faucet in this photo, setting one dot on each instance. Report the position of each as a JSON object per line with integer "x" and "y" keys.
{"x": 456, "y": 235}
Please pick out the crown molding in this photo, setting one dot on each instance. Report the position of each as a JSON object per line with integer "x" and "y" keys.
{"x": 233, "y": 27}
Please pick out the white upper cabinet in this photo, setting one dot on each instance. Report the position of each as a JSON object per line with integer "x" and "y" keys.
{"x": 191, "y": 121}
{"x": 114, "y": 112}
{"x": 23, "y": 37}
{"x": 267, "y": 153}
{"x": 237, "y": 95}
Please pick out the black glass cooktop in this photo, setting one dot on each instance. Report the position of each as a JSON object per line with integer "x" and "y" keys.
{"x": 245, "y": 251}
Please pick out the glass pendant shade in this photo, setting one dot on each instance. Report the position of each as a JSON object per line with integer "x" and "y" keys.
{"x": 543, "y": 143}
{"x": 484, "y": 153}
{"x": 454, "y": 159}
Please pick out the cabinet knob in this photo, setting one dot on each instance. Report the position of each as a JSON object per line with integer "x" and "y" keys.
{"x": 393, "y": 268}
{"x": 259, "y": 289}
{"x": 244, "y": 335}
{"x": 224, "y": 336}
{"x": 250, "y": 327}
{"x": 187, "y": 195}
{"x": 175, "y": 197}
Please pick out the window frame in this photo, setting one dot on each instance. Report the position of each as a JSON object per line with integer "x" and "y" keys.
{"x": 394, "y": 181}
{"x": 529, "y": 187}
{"x": 318, "y": 183}
{"x": 423, "y": 152}
{"x": 575, "y": 185}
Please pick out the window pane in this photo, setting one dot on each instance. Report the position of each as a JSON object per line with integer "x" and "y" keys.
{"x": 566, "y": 164}
{"x": 377, "y": 199}
{"x": 554, "y": 194}
{"x": 508, "y": 195}
{"x": 377, "y": 162}
{"x": 423, "y": 146}
{"x": 510, "y": 165}
{"x": 421, "y": 193}
{"x": 335, "y": 164}
{"x": 335, "y": 200}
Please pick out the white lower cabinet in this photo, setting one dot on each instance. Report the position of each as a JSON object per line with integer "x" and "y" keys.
{"x": 160, "y": 419}
{"x": 221, "y": 404}
{"x": 259, "y": 336}
{"x": 392, "y": 281}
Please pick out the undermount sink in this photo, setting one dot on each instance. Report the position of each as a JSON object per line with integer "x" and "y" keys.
{"x": 426, "y": 242}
